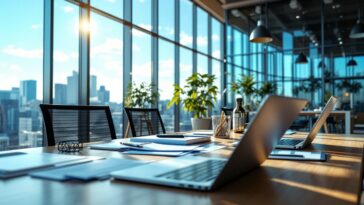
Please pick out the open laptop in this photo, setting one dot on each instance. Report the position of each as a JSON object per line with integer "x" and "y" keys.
{"x": 294, "y": 143}
{"x": 274, "y": 116}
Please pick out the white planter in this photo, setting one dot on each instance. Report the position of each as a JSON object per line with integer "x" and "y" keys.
{"x": 201, "y": 123}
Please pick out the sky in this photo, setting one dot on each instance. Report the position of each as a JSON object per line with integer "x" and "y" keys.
{"x": 21, "y": 43}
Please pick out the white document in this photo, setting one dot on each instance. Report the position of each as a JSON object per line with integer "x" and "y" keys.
{"x": 172, "y": 141}
{"x": 116, "y": 146}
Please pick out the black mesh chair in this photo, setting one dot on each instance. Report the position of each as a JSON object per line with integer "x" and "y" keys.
{"x": 78, "y": 123}
{"x": 145, "y": 121}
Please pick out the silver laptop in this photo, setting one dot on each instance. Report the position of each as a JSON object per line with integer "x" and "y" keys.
{"x": 291, "y": 143}
{"x": 274, "y": 116}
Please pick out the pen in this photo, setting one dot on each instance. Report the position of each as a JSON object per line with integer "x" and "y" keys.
{"x": 131, "y": 144}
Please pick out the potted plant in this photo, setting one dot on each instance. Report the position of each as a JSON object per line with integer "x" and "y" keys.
{"x": 140, "y": 96}
{"x": 266, "y": 89}
{"x": 197, "y": 96}
{"x": 246, "y": 87}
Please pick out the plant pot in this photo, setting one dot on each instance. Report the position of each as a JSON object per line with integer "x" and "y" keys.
{"x": 201, "y": 123}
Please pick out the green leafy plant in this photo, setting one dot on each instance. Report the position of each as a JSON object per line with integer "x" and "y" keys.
{"x": 197, "y": 96}
{"x": 267, "y": 88}
{"x": 244, "y": 86}
{"x": 140, "y": 96}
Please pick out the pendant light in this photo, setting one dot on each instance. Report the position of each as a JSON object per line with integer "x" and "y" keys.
{"x": 351, "y": 62}
{"x": 358, "y": 30}
{"x": 302, "y": 58}
{"x": 320, "y": 65}
{"x": 261, "y": 34}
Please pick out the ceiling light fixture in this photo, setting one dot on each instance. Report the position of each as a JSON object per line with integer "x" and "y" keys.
{"x": 358, "y": 30}
{"x": 352, "y": 62}
{"x": 298, "y": 17}
{"x": 261, "y": 34}
{"x": 320, "y": 65}
{"x": 301, "y": 58}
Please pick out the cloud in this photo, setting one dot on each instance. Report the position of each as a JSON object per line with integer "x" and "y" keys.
{"x": 60, "y": 56}
{"x": 23, "y": 53}
{"x": 185, "y": 39}
{"x": 137, "y": 33}
{"x": 136, "y": 47}
{"x": 35, "y": 26}
{"x": 216, "y": 54}
{"x": 15, "y": 67}
{"x": 68, "y": 9}
{"x": 215, "y": 37}
{"x": 202, "y": 40}
{"x": 111, "y": 46}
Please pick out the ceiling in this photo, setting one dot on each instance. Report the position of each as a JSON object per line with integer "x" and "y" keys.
{"x": 304, "y": 22}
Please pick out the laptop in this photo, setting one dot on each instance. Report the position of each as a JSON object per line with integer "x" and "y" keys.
{"x": 297, "y": 144}
{"x": 274, "y": 116}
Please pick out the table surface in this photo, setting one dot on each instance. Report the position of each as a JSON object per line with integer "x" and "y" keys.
{"x": 336, "y": 181}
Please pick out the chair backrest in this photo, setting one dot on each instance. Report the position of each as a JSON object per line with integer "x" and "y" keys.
{"x": 145, "y": 121}
{"x": 227, "y": 111}
{"x": 79, "y": 123}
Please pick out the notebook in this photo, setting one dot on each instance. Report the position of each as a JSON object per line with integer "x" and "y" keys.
{"x": 172, "y": 141}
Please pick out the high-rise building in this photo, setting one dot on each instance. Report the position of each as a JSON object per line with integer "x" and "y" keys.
{"x": 103, "y": 95}
{"x": 27, "y": 91}
{"x": 72, "y": 88}
{"x": 93, "y": 86}
{"x": 60, "y": 93}
{"x": 14, "y": 93}
{"x": 10, "y": 117}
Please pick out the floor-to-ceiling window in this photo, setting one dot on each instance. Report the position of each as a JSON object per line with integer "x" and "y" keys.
{"x": 21, "y": 62}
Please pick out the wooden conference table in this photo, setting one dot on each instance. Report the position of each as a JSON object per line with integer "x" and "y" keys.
{"x": 336, "y": 181}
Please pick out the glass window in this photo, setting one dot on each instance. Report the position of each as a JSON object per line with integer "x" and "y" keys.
{"x": 21, "y": 62}
{"x": 216, "y": 70}
{"x": 65, "y": 56}
{"x": 186, "y": 23}
{"x": 142, "y": 13}
{"x": 106, "y": 67}
{"x": 245, "y": 51}
{"x": 216, "y": 39}
{"x": 113, "y": 7}
{"x": 185, "y": 72}
{"x": 166, "y": 18}
{"x": 142, "y": 57}
{"x": 238, "y": 59}
{"x": 202, "y": 30}
{"x": 166, "y": 81}
{"x": 202, "y": 64}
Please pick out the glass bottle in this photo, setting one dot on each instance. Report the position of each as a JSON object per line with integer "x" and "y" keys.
{"x": 239, "y": 116}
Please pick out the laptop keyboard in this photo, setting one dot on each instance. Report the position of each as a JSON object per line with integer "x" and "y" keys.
{"x": 289, "y": 142}
{"x": 201, "y": 172}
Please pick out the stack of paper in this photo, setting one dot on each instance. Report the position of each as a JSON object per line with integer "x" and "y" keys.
{"x": 187, "y": 140}
{"x": 157, "y": 149}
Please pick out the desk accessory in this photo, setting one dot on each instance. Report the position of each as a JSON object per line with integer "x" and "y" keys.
{"x": 221, "y": 126}
{"x": 69, "y": 146}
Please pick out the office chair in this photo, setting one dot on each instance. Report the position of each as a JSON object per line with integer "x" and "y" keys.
{"x": 78, "y": 123}
{"x": 144, "y": 121}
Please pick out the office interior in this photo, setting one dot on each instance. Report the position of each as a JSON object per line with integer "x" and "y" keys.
{"x": 89, "y": 52}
